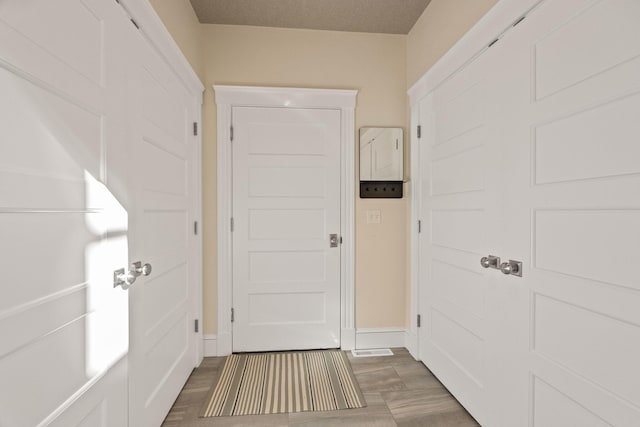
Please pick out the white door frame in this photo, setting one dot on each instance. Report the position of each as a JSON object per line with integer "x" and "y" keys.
{"x": 228, "y": 97}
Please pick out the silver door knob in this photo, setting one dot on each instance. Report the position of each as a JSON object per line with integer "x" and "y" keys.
{"x": 124, "y": 278}
{"x": 333, "y": 240}
{"x": 490, "y": 261}
{"x": 140, "y": 269}
{"x": 513, "y": 268}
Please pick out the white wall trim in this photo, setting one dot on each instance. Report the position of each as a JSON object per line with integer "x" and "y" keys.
{"x": 491, "y": 26}
{"x": 210, "y": 345}
{"x": 197, "y": 251}
{"x": 367, "y": 338}
{"x": 411, "y": 343}
{"x": 257, "y": 96}
{"x": 344, "y": 100}
{"x": 414, "y": 236}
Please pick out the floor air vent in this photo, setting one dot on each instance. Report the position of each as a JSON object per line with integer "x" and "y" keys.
{"x": 372, "y": 352}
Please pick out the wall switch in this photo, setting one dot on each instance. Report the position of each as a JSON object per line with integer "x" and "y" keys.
{"x": 373, "y": 217}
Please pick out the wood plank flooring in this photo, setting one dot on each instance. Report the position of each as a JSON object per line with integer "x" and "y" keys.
{"x": 399, "y": 392}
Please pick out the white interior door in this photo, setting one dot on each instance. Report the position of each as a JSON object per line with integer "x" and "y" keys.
{"x": 561, "y": 195}
{"x": 286, "y": 203}
{"x": 63, "y": 226}
{"x": 162, "y": 309}
{"x": 572, "y": 213}
{"x": 460, "y": 177}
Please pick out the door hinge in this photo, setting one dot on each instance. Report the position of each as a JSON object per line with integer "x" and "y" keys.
{"x": 232, "y": 315}
{"x": 419, "y": 226}
{"x": 135, "y": 23}
{"x": 195, "y": 128}
{"x": 196, "y": 325}
{"x": 419, "y": 131}
{"x": 231, "y": 133}
{"x": 232, "y": 224}
{"x": 518, "y": 21}
{"x": 195, "y": 227}
{"x": 419, "y": 321}
{"x": 340, "y": 239}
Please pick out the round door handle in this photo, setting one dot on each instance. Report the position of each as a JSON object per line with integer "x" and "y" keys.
{"x": 145, "y": 270}
{"x": 138, "y": 269}
{"x": 490, "y": 261}
{"x": 512, "y": 267}
{"x": 506, "y": 268}
{"x": 124, "y": 278}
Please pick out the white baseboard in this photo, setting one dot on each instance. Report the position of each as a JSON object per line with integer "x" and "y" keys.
{"x": 348, "y": 339}
{"x": 210, "y": 345}
{"x": 380, "y": 338}
{"x": 411, "y": 343}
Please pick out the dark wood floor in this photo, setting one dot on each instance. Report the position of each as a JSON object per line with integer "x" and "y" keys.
{"x": 399, "y": 392}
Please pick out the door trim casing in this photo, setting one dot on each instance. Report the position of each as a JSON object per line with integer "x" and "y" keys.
{"x": 228, "y": 97}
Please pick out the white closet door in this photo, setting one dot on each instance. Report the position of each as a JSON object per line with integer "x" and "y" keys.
{"x": 286, "y": 203}
{"x": 562, "y": 196}
{"x": 460, "y": 172}
{"x": 572, "y": 213}
{"x": 162, "y": 353}
{"x": 63, "y": 227}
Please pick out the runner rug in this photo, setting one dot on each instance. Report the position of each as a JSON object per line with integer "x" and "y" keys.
{"x": 272, "y": 383}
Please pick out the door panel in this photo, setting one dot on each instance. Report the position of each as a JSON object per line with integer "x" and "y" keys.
{"x": 573, "y": 217}
{"x": 64, "y": 327}
{"x": 83, "y": 54}
{"x": 97, "y": 159}
{"x": 560, "y": 62}
{"x": 565, "y": 148}
{"x": 286, "y": 188}
{"x": 459, "y": 178}
{"x": 162, "y": 316}
{"x": 561, "y": 342}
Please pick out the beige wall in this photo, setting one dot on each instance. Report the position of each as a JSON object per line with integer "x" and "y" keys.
{"x": 181, "y": 21}
{"x": 380, "y": 66}
{"x": 439, "y": 27}
{"x": 372, "y": 63}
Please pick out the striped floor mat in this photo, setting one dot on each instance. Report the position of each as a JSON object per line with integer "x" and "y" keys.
{"x": 272, "y": 383}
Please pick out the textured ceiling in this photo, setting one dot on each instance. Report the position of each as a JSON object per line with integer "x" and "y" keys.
{"x": 369, "y": 16}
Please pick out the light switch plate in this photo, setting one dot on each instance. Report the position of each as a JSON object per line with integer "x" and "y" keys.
{"x": 373, "y": 217}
